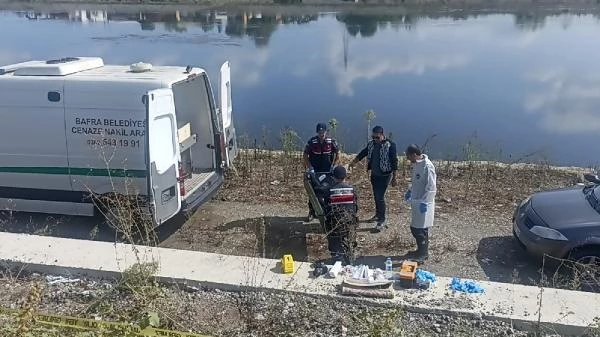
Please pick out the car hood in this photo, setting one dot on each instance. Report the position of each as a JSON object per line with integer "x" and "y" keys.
{"x": 564, "y": 208}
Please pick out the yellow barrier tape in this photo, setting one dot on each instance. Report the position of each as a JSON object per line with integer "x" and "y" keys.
{"x": 92, "y": 324}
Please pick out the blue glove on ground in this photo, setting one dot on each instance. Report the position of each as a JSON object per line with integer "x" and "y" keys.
{"x": 466, "y": 286}
{"x": 407, "y": 195}
{"x": 426, "y": 276}
{"x": 423, "y": 207}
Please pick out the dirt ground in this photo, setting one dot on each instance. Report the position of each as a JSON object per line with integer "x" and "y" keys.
{"x": 261, "y": 210}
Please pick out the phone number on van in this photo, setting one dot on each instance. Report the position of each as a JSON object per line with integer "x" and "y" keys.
{"x": 114, "y": 142}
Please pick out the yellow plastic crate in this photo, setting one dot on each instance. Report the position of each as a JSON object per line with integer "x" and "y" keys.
{"x": 287, "y": 263}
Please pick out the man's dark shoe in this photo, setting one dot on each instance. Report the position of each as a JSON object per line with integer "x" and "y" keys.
{"x": 419, "y": 255}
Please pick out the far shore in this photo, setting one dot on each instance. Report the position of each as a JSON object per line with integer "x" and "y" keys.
{"x": 346, "y": 157}
{"x": 455, "y": 8}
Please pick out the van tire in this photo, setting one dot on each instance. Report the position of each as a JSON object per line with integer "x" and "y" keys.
{"x": 126, "y": 216}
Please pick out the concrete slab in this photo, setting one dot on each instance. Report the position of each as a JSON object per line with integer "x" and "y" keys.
{"x": 565, "y": 312}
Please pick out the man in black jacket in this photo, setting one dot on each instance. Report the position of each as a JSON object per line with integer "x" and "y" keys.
{"x": 382, "y": 161}
{"x": 340, "y": 204}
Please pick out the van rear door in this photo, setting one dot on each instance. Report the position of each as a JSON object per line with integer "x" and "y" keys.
{"x": 229, "y": 137}
{"x": 162, "y": 155}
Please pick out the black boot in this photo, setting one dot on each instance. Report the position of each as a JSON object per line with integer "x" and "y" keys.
{"x": 421, "y": 236}
{"x": 422, "y": 253}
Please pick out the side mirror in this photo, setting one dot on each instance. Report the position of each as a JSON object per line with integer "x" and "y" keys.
{"x": 592, "y": 178}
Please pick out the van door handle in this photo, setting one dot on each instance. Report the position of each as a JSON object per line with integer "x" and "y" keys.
{"x": 210, "y": 146}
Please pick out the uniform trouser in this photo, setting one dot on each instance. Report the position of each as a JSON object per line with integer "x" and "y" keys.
{"x": 341, "y": 239}
{"x": 380, "y": 185}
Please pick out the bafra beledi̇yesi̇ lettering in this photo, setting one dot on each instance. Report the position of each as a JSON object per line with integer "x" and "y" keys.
{"x": 126, "y": 123}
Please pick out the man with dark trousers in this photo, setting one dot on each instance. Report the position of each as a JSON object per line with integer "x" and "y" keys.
{"x": 320, "y": 156}
{"x": 382, "y": 161}
{"x": 340, "y": 204}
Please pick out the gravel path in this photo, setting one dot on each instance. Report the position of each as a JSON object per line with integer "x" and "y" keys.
{"x": 234, "y": 314}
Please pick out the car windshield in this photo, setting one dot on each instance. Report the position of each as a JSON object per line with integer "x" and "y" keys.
{"x": 593, "y": 197}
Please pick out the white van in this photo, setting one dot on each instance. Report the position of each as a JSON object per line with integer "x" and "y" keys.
{"x": 73, "y": 129}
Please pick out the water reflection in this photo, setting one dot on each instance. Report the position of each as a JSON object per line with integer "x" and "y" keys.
{"x": 256, "y": 26}
{"x": 260, "y": 27}
{"x": 363, "y": 66}
{"x": 566, "y": 104}
{"x": 520, "y": 81}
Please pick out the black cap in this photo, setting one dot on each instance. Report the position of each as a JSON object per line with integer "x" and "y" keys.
{"x": 321, "y": 127}
{"x": 378, "y": 129}
{"x": 339, "y": 172}
{"x": 413, "y": 149}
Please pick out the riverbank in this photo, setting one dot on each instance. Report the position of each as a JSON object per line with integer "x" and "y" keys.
{"x": 496, "y": 187}
{"x": 261, "y": 211}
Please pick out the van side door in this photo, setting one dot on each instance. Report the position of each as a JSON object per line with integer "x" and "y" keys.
{"x": 162, "y": 155}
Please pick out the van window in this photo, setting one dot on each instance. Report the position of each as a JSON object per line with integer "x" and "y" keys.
{"x": 162, "y": 146}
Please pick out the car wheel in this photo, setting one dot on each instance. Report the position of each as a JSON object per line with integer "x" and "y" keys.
{"x": 585, "y": 271}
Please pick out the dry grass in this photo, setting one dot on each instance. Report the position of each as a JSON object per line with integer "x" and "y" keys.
{"x": 275, "y": 176}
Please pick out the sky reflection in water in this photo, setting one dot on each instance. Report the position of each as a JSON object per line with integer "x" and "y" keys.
{"x": 513, "y": 84}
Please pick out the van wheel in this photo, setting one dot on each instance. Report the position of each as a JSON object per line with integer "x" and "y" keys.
{"x": 585, "y": 271}
{"x": 125, "y": 216}
{"x": 112, "y": 219}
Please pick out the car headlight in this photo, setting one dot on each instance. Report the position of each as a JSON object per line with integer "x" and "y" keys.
{"x": 548, "y": 233}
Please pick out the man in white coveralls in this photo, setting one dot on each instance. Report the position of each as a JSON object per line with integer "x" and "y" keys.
{"x": 421, "y": 195}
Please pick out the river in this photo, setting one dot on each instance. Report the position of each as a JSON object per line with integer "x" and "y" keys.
{"x": 486, "y": 86}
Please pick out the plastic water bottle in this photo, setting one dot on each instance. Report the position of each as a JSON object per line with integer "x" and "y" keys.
{"x": 388, "y": 268}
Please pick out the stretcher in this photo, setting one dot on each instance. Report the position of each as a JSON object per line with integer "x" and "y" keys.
{"x": 326, "y": 179}
{"x": 317, "y": 202}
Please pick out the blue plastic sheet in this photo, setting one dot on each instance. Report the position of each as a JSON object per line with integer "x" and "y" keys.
{"x": 426, "y": 276}
{"x": 466, "y": 286}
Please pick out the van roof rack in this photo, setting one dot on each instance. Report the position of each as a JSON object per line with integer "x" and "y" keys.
{"x": 55, "y": 67}
{"x": 12, "y": 67}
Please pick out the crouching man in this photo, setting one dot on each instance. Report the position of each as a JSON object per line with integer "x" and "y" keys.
{"x": 340, "y": 205}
